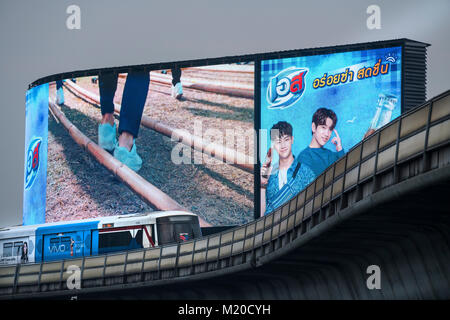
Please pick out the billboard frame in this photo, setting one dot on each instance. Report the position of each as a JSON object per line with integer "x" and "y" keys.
{"x": 413, "y": 77}
{"x": 413, "y": 87}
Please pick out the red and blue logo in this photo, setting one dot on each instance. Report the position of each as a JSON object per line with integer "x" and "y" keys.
{"x": 184, "y": 236}
{"x": 286, "y": 87}
{"x": 32, "y": 162}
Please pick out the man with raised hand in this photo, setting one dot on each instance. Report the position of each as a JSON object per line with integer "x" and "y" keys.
{"x": 315, "y": 155}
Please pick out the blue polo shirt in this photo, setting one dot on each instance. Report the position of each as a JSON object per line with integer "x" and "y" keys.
{"x": 274, "y": 198}
{"x": 318, "y": 159}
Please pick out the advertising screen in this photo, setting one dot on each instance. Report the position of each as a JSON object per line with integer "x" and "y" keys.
{"x": 315, "y": 108}
{"x": 36, "y": 137}
{"x": 195, "y": 130}
{"x": 186, "y": 134}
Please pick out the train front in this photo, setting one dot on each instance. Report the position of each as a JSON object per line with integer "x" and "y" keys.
{"x": 177, "y": 228}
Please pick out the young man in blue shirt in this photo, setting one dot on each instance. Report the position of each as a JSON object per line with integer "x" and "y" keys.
{"x": 286, "y": 178}
{"x": 315, "y": 155}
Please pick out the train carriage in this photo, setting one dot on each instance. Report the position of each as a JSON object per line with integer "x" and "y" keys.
{"x": 72, "y": 239}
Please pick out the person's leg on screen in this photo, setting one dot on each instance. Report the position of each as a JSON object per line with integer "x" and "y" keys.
{"x": 177, "y": 88}
{"x": 107, "y": 127}
{"x": 59, "y": 92}
{"x": 133, "y": 101}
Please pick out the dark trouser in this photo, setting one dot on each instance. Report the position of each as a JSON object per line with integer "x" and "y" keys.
{"x": 133, "y": 98}
{"x": 59, "y": 84}
{"x": 176, "y": 75}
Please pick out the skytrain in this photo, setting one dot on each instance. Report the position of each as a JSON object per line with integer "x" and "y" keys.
{"x": 73, "y": 239}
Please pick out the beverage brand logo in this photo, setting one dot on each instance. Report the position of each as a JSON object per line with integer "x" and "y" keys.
{"x": 184, "y": 236}
{"x": 391, "y": 57}
{"x": 286, "y": 87}
{"x": 32, "y": 162}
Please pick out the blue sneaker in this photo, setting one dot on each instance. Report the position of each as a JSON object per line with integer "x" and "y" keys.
{"x": 60, "y": 96}
{"x": 107, "y": 136}
{"x": 129, "y": 158}
{"x": 177, "y": 91}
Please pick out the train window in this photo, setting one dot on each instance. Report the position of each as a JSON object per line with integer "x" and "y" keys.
{"x": 165, "y": 233}
{"x": 180, "y": 218}
{"x": 66, "y": 239}
{"x": 7, "y": 249}
{"x": 177, "y": 229}
{"x": 138, "y": 238}
{"x": 116, "y": 241}
{"x": 18, "y": 248}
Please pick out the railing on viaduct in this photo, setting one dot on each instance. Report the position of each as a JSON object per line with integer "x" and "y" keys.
{"x": 415, "y": 143}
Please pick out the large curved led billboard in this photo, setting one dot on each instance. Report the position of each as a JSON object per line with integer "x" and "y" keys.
{"x": 230, "y": 139}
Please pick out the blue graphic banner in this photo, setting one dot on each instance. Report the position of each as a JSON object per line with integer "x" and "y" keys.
{"x": 356, "y": 85}
{"x": 36, "y": 142}
{"x": 322, "y": 106}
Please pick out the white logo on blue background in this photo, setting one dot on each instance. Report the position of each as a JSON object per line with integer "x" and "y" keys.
{"x": 391, "y": 57}
{"x": 286, "y": 87}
